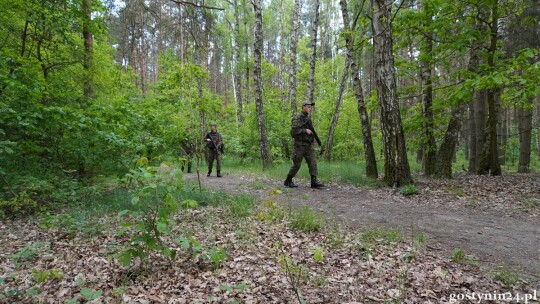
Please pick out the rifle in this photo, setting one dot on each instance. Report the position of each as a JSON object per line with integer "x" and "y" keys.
{"x": 214, "y": 143}
{"x": 310, "y": 126}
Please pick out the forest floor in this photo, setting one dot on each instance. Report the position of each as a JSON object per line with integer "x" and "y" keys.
{"x": 482, "y": 241}
{"x": 495, "y": 220}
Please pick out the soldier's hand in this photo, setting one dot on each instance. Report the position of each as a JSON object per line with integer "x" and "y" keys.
{"x": 308, "y": 131}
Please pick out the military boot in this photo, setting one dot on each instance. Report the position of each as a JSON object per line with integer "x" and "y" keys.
{"x": 315, "y": 183}
{"x": 289, "y": 183}
{"x": 209, "y": 172}
{"x": 219, "y": 173}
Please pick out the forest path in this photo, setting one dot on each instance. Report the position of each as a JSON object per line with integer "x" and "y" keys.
{"x": 492, "y": 226}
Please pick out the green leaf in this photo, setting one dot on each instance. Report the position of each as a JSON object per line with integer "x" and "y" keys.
{"x": 223, "y": 287}
{"x": 123, "y": 212}
{"x": 90, "y": 294}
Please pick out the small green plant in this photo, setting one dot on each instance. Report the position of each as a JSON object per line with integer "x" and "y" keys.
{"x": 380, "y": 234}
{"x": 305, "y": 219}
{"x": 408, "y": 190}
{"x": 20, "y": 204}
{"x": 189, "y": 204}
{"x": 531, "y": 203}
{"x": 28, "y": 253}
{"x": 90, "y": 294}
{"x": 153, "y": 216}
{"x": 217, "y": 256}
{"x": 457, "y": 255}
{"x": 238, "y": 287}
{"x": 508, "y": 276}
{"x": 270, "y": 211}
{"x": 318, "y": 254}
{"x": 240, "y": 206}
{"x": 42, "y": 276}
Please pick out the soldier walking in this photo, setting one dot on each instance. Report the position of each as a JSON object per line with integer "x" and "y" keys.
{"x": 214, "y": 148}
{"x": 188, "y": 148}
{"x": 304, "y": 138}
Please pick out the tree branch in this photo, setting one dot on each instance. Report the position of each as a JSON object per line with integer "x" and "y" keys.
{"x": 198, "y": 5}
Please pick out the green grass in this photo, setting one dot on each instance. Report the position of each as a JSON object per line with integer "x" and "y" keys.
{"x": 305, "y": 219}
{"x": 339, "y": 171}
{"x": 387, "y": 235}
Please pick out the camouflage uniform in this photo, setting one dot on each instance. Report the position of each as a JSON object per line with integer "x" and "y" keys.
{"x": 303, "y": 148}
{"x": 212, "y": 153}
{"x": 187, "y": 150}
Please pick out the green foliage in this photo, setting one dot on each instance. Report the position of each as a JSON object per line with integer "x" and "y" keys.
{"x": 90, "y": 294}
{"x": 156, "y": 204}
{"x": 240, "y": 206}
{"x": 217, "y": 256}
{"x": 19, "y": 204}
{"x": 318, "y": 254}
{"x": 42, "y": 276}
{"x": 305, "y": 219}
{"x": 408, "y": 190}
{"x": 380, "y": 234}
{"x": 457, "y": 255}
{"x": 189, "y": 204}
{"x": 28, "y": 253}
{"x": 508, "y": 276}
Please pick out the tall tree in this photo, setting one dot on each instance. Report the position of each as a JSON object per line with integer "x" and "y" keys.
{"x": 88, "y": 49}
{"x": 294, "y": 45}
{"x": 266, "y": 156}
{"x": 236, "y": 70}
{"x": 369, "y": 151}
{"x": 313, "y": 57}
{"x": 426, "y": 74}
{"x": 396, "y": 165}
{"x": 489, "y": 158}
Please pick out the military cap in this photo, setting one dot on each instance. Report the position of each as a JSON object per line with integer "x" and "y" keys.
{"x": 305, "y": 103}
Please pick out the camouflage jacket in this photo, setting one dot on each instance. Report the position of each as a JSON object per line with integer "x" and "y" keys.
{"x": 300, "y": 123}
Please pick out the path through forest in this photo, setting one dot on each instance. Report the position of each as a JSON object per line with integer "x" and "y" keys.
{"x": 493, "y": 219}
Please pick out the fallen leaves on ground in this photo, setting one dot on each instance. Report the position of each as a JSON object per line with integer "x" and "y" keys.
{"x": 351, "y": 271}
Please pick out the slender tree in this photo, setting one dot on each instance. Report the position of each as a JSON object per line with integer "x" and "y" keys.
{"x": 88, "y": 50}
{"x": 266, "y": 156}
{"x": 396, "y": 165}
{"x": 489, "y": 158}
{"x": 369, "y": 151}
{"x": 294, "y": 45}
{"x": 313, "y": 57}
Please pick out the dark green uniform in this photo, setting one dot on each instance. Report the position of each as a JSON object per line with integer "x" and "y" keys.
{"x": 187, "y": 150}
{"x": 303, "y": 147}
{"x": 214, "y": 150}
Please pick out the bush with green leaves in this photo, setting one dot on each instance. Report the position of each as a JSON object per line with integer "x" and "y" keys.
{"x": 154, "y": 198}
{"x": 408, "y": 190}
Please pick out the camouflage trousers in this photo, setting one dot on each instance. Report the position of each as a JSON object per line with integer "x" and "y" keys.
{"x": 211, "y": 155}
{"x": 303, "y": 150}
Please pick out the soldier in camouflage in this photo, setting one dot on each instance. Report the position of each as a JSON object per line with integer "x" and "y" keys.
{"x": 214, "y": 148}
{"x": 188, "y": 148}
{"x": 304, "y": 138}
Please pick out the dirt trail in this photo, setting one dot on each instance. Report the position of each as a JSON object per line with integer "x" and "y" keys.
{"x": 500, "y": 236}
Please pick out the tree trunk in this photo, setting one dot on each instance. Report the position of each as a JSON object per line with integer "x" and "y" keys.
{"x": 443, "y": 166}
{"x": 237, "y": 71}
{"x": 313, "y": 59}
{"x": 426, "y": 71}
{"x": 489, "y": 159}
{"x": 396, "y": 166}
{"x": 294, "y": 45}
{"x": 525, "y": 132}
{"x": 88, "y": 90}
{"x": 266, "y": 156}
{"x": 335, "y": 117}
{"x": 473, "y": 148}
{"x": 369, "y": 151}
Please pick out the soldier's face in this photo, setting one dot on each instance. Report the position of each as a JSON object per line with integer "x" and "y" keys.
{"x": 307, "y": 108}
{"x": 213, "y": 128}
